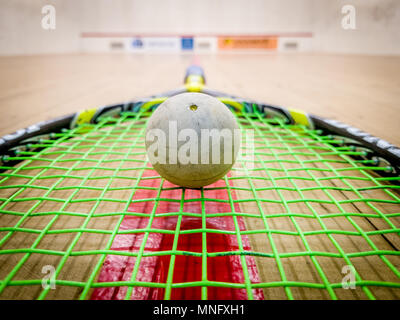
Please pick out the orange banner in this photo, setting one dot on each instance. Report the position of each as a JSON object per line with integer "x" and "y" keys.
{"x": 232, "y": 43}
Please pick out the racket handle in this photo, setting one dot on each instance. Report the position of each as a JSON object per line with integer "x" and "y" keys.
{"x": 194, "y": 74}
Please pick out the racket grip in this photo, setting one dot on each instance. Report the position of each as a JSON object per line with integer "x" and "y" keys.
{"x": 194, "y": 72}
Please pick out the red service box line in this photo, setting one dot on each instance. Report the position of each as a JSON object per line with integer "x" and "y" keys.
{"x": 187, "y": 268}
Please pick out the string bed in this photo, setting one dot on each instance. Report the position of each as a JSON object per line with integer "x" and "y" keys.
{"x": 300, "y": 210}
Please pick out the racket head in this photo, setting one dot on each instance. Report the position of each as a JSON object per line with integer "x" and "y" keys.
{"x": 303, "y": 207}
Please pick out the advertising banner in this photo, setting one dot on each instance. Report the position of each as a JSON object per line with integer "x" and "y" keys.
{"x": 205, "y": 44}
{"x": 187, "y": 43}
{"x": 155, "y": 44}
{"x": 234, "y": 43}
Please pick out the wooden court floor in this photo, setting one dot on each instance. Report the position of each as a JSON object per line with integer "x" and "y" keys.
{"x": 359, "y": 90}
{"x": 363, "y": 91}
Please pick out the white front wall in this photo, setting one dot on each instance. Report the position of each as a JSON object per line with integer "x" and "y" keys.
{"x": 377, "y": 22}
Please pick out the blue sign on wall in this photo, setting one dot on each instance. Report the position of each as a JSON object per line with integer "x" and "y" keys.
{"x": 187, "y": 43}
{"x": 137, "y": 43}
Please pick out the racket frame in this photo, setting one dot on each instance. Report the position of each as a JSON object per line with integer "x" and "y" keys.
{"x": 380, "y": 151}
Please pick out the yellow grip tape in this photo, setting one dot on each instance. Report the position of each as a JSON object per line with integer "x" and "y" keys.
{"x": 85, "y": 116}
{"x": 237, "y": 105}
{"x": 146, "y": 106}
{"x": 194, "y": 83}
{"x": 300, "y": 117}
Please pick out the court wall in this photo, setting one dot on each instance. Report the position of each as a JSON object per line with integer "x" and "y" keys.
{"x": 376, "y": 25}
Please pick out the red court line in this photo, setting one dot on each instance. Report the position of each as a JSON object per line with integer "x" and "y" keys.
{"x": 187, "y": 268}
{"x": 160, "y": 35}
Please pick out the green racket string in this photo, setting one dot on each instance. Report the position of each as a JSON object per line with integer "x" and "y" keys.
{"x": 288, "y": 159}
